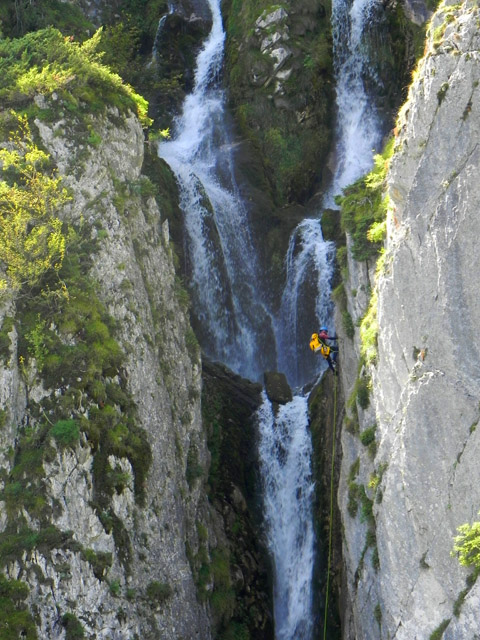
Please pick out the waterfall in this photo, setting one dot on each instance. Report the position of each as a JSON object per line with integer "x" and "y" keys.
{"x": 158, "y": 34}
{"x": 305, "y": 299}
{"x": 285, "y": 453}
{"x": 355, "y": 26}
{"x": 231, "y": 318}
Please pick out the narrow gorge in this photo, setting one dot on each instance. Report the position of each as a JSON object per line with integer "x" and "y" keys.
{"x": 188, "y": 191}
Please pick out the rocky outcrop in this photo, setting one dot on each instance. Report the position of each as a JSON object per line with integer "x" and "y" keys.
{"x": 125, "y": 571}
{"x": 277, "y": 388}
{"x": 410, "y": 475}
{"x": 229, "y": 406}
{"x": 278, "y": 63}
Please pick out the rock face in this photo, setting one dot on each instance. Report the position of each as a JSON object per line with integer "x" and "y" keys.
{"x": 277, "y": 388}
{"x": 420, "y": 480}
{"x": 136, "y": 282}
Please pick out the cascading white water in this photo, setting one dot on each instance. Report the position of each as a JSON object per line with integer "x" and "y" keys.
{"x": 285, "y": 452}
{"x": 309, "y": 260}
{"x": 359, "y": 127}
{"x": 232, "y": 318}
{"x": 284, "y": 440}
{"x": 305, "y": 299}
{"x": 159, "y": 33}
{"x": 228, "y": 299}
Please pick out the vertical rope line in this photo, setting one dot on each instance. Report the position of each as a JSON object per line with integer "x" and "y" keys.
{"x": 331, "y": 507}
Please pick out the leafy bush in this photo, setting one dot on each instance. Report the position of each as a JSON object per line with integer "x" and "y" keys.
{"x": 32, "y": 238}
{"x": 360, "y": 393}
{"x": 368, "y": 435}
{"x": 5, "y": 342}
{"x": 73, "y": 627}
{"x": 65, "y": 432}
{"x": 45, "y": 61}
{"x": 100, "y": 561}
{"x": 15, "y": 619}
{"x": 364, "y": 207}
{"x": 467, "y": 545}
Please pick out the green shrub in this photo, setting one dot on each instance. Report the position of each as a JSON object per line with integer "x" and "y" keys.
{"x": 158, "y": 592}
{"x": 45, "y": 61}
{"x": 467, "y": 545}
{"x": 360, "y": 393}
{"x": 114, "y": 587}
{"x": 73, "y": 627}
{"x": 100, "y": 562}
{"x": 366, "y": 514}
{"x": 5, "y": 342}
{"x": 65, "y": 432}
{"x": 32, "y": 238}
{"x": 15, "y": 619}
{"x": 364, "y": 207}
{"x": 368, "y": 435}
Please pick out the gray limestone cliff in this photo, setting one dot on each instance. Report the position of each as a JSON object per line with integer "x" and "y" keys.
{"x": 410, "y": 476}
{"x": 136, "y": 282}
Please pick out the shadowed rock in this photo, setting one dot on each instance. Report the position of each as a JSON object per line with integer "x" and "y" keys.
{"x": 277, "y": 387}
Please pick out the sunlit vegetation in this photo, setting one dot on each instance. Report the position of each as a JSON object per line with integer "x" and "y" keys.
{"x": 69, "y": 74}
{"x": 467, "y": 545}
{"x": 364, "y": 207}
{"x": 32, "y": 237}
{"x": 65, "y": 339}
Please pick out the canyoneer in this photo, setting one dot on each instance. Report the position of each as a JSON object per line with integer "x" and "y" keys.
{"x": 319, "y": 344}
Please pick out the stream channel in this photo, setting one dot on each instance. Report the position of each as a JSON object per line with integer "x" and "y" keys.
{"x": 229, "y": 294}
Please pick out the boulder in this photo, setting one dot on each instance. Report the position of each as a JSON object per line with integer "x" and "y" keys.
{"x": 277, "y": 387}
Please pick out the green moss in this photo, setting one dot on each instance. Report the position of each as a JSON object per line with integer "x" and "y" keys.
{"x": 354, "y": 469}
{"x": 364, "y": 205}
{"x": 368, "y": 435}
{"x": 348, "y": 325}
{"x": 440, "y": 630}
{"x": 5, "y": 342}
{"x": 73, "y": 627}
{"x": 158, "y": 592}
{"x": 353, "y": 496}
{"x": 14, "y": 543}
{"x": 360, "y": 393}
{"x": 65, "y": 432}
{"x": 15, "y": 619}
{"x": 194, "y": 469}
{"x": 292, "y": 153}
{"x": 114, "y": 588}
{"x": 100, "y": 562}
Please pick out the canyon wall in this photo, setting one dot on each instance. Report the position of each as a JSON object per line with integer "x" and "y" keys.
{"x": 409, "y": 472}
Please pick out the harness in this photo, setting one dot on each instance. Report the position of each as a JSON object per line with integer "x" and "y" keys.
{"x": 325, "y": 350}
{"x": 317, "y": 344}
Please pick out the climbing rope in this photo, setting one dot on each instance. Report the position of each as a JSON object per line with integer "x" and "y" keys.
{"x": 331, "y": 506}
